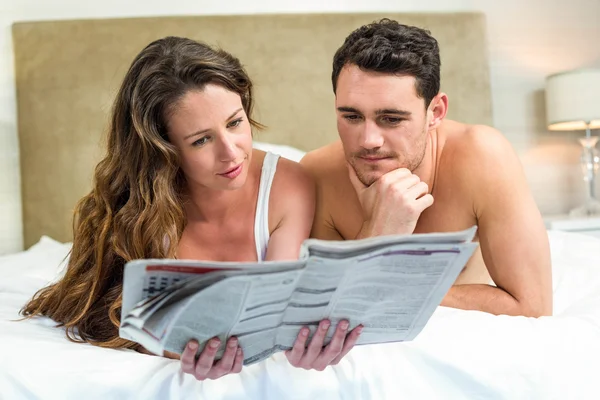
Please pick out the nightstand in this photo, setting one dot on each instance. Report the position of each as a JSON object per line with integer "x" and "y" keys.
{"x": 588, "y": 226}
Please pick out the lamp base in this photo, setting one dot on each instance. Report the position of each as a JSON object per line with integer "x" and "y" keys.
{"x": 590, "y": 209}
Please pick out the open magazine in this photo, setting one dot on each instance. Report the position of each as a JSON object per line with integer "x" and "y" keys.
{"x": 390, "y": 284}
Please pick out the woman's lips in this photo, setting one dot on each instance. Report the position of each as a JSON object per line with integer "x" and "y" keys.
{"x": 233, "y": 172}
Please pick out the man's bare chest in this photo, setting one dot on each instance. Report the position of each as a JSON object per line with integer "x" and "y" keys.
{"x": 450, "y": 212}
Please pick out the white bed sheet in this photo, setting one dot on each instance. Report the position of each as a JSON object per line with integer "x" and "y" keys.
{"x": 459, "y": 354}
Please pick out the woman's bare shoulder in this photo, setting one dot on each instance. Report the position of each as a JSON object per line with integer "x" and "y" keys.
{"x": 293, "y": 190}
{"x": 291, "y": 178}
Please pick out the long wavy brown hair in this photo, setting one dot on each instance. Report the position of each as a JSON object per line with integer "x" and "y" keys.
{"x": 135, "y": 208}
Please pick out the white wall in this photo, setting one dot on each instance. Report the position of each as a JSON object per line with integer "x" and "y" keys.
{"x": 527, "y": 41}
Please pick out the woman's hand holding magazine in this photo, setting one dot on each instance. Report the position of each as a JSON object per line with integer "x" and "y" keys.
{"x": 312, "y": 356}
{"x": 205, "y": 366}
{"x": 315, "y": 356}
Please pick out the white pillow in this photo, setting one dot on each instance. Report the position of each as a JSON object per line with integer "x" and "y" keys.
{"x": 288, "y": 152}
{"x": 44, "y": 259}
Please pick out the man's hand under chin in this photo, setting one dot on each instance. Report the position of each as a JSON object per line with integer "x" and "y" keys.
{"x": 392, "y": 204}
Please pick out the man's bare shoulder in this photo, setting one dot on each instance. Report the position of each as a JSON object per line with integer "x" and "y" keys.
{"x": 326, "y": 164}
{"x": 475, "y": 148}
{"x": 482, "y": 162}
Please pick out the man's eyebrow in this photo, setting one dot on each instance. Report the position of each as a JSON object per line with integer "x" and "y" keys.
{"x": 348, "y": 109}
{"x": 394, "y": 111}
{"x": 206, "y": 130}
{"x": 382, "y": 111}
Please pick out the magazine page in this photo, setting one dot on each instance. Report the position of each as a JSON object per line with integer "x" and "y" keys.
{"x": 250, "y": 307}
{"x": 143, "y": 279}
{"x": 392, "y": 292}
{"x": 350, "y": 248}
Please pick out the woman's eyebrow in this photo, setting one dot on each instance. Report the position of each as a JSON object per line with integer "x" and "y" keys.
{"x": 206, "y": 130}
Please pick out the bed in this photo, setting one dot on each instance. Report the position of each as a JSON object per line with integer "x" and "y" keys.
{"x": 459, "y": 354}
{"x": 64, "y": 90}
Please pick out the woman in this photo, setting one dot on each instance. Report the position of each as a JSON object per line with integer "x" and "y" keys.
{"x": 180, "y": 180}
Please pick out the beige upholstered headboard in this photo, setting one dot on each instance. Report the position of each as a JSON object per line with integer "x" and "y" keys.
{"x": 68, "y": 72}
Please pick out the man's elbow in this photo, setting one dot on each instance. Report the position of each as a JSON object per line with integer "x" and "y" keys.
{"x": 535, "y": 307}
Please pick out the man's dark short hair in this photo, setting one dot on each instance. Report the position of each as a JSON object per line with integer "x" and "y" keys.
{"x": 390, "y": 47}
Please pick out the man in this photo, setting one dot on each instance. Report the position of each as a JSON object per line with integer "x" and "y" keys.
{"x": 401, "y": 168}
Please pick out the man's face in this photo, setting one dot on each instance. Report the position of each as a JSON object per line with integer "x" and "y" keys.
{"x": 381, "y": 120}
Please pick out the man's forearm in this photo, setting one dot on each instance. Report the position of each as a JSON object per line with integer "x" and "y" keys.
{"x": 486, "y": 298}
{"x": 367, "y": 230}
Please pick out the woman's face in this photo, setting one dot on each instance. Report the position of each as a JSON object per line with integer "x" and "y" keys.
{"x": 211, "y": 130}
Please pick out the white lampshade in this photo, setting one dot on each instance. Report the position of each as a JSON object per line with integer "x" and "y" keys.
{"x": 573, "y": 100}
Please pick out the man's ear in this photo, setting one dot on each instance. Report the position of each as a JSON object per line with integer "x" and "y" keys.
{"x": 437, "y": 110}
